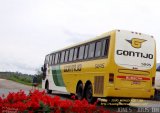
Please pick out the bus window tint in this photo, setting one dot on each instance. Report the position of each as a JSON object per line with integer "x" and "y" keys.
{"x": 62, "y": 56}
{"x": 98, "y": 49}
{"x": 46, "y": 60}
{"x": 59, "y": 57}
{"x": 75, "y": 54}
{"x": 66, "y": 56}
{"x": 81, "y": 52}
{"x": 56, "y": 58}
{"x": 86, "y": 51}
{"x": 105, "y": 43}
{"x": 91, "y": 50}
{"x": 53, "y": 56}
{"x": 107, "y": 46}
{"x": 71, "y": 54}
{"x": 50, "y": 59}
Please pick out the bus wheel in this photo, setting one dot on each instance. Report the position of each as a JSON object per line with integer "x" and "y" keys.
{"x": 79, "y": 91}
{"x": 89, "y": 94}
{"x": 47, "y": 89}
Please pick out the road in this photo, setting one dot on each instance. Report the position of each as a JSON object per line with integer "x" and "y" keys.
{"x": 141, "y": 106}
{"x": 7, "y": 86}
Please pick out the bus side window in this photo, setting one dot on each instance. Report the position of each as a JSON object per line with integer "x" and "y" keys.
{"x": 50, "y": 59}
{"x": 46, "y": 60}
{"x": 66, "y": 56}
{"x": 81, "y": 52}
{"x": 53, "y": 56}
{"x": 71, "y": 54}
{"x": 91, "y": 50}
{"x": 105, "y": 45}
{"x": 76, "y": 51}
{"x": 62, "y": 56}
{"x": 86, "y": 51}
{"x": 56, "y": 58}
{"x": 98, "y": 49}
{"x": 59, "y": 57}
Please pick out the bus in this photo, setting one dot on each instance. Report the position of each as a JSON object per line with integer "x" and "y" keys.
{"x": 116, "y": 64}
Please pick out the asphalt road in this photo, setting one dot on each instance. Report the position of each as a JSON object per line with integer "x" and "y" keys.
{"x": 140, "y": 106}
{"x": 7, "y": 86}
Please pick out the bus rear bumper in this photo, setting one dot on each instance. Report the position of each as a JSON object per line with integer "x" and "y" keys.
{"x": 129, "y": 93}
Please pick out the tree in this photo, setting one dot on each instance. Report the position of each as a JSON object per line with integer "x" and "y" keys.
{"x": 39, "y": 75}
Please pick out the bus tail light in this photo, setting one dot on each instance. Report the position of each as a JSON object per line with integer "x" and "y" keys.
{"x": 153, "y": 81}
{"x": 111, "y": 77}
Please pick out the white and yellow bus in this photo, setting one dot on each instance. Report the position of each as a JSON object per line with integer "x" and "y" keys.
{"x": 119, "y": 64}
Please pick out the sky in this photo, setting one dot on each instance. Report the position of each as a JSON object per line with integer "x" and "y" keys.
{"x": 30, "y": 29}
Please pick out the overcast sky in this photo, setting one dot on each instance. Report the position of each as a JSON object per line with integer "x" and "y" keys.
{"x": 30, "y": 29}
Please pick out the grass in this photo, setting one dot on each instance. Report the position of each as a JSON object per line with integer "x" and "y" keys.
{"x": 20, "y": 81}
{"x": 23, "y": 82}
{"x": 40, "y": 85}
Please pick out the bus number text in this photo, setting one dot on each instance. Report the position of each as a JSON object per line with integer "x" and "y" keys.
{"x": 99, "y": 65}
{"x": 146, "y": 64}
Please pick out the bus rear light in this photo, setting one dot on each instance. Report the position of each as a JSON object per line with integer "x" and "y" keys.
{"x": 111, "y": 77}
{"x": 153, "y": 81}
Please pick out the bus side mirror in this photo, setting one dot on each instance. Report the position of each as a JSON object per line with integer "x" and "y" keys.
{"x": 42, "y": 69}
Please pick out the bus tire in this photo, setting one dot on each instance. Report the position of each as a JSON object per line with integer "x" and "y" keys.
{"x": 89, "y": 94}
{"x": 79, "y": 91}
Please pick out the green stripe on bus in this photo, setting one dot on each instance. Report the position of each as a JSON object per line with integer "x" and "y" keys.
{"x": 57, "y": 76}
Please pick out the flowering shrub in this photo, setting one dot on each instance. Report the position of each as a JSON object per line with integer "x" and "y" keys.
{"x": 39, "y": 102}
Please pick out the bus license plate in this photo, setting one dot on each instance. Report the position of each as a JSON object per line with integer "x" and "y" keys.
{"x": 136, "y": 82}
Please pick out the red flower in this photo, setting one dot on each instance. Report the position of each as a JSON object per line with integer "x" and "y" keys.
{"x": 73, "y": 97}
{"x": 39, "y": 100}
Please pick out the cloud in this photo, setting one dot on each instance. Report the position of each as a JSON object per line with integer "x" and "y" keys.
{"x": 30, "y": 29}
{"x": 15, "y": 65}
{"x": 75, "y": 37}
